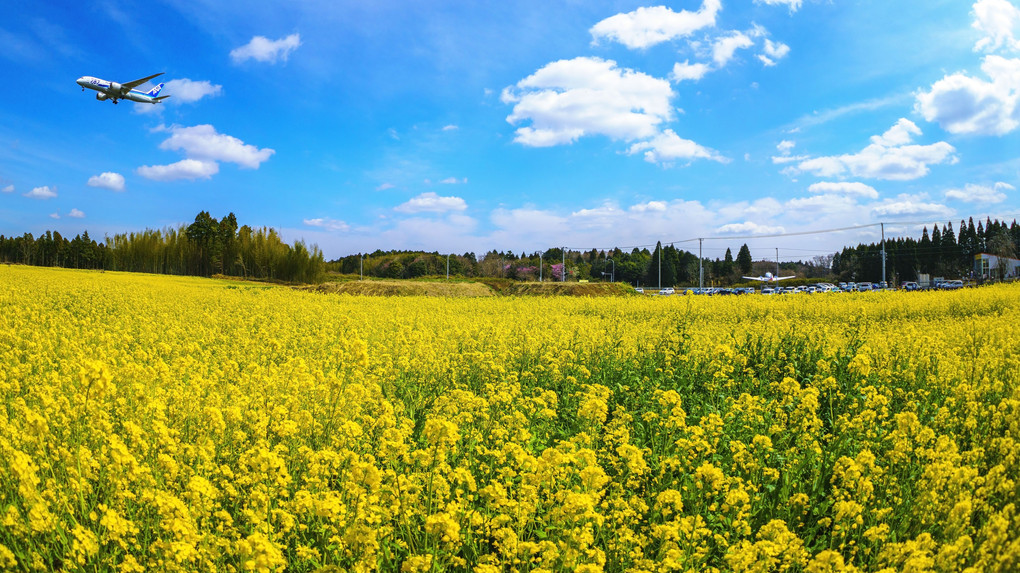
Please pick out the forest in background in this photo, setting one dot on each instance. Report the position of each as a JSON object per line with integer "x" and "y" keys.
{"x": 209, "y": 246}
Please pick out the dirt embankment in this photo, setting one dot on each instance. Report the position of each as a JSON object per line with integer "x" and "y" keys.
{"x": 469, "y": 289}
{"x": 404, "y": 288}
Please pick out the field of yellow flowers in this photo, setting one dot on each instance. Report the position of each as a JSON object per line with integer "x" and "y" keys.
{"x": 180, "y": 424}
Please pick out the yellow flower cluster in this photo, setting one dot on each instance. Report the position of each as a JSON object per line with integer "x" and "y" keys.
{"x": 181, "y": 424}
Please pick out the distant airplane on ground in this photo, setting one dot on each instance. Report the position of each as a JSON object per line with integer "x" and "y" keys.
{"x": 769, "y": 278}
{"x": 115, "y": 91}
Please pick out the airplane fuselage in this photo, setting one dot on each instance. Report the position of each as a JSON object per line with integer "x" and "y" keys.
{"x": 114, "y": 91}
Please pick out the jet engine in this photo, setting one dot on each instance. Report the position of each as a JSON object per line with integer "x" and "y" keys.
{"x": 115, "y": 87}
{"x": 101, "y": 96}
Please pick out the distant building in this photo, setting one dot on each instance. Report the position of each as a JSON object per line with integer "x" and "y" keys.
{"x": 988, "y": 266}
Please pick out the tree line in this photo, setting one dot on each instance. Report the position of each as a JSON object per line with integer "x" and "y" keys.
{"x": 942, "y": 252}
{"x": 205, "y": 247}
{"x": 637, "y": 266}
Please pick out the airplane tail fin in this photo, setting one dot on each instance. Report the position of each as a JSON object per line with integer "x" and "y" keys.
{"x": 154, "y": 90}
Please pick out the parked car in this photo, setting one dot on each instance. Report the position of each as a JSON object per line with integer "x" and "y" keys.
{"x": 768, "y": 290}
{"x": 667, "y": 291}
{"x": 910, "y": 286}
{"x": 951, "y": 285}
{"x": 639, "y": 290}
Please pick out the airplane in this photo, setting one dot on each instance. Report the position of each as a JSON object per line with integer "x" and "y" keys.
{"x": 770, "y": 278}
{"x": 115, "y": 91}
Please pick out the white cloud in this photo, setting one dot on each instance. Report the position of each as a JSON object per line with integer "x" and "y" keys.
{"x": 909, "y": 207}
{"x": 889, "y": 157}
{"x": 8, "y": 189}
{"x": 648, "y": 26}
{"x": 997, "y": 20}
{"x": 667, "y": 147}
{"x": 749, "y": 228}
{"x": 75, "y": 213}
{"x": 774, "y": 51}
{"x": 107, "y": 180}
{"x": 726, "y": 46}
{"x": 568, "y": 99}
{"x": 183, "y": 169}
{"x": 263, "y": 49}
{"x": 431, "y": 203}
{"x": 44, "y": 192}
{"x": 972, "y": 193}
{"x": 758, "y": 209}
{"x": 187, "y": 91}
{"x": 650, "y": 206}
{"x": 328, "y": 224}
{"x": 793, "y": 4}
{"x": 453, "y": 181}
{"x": 852, "y": 188}
{"x": 450, "y": 127}
{"x": 686, "y": 71}
{"x": 385, "y": 186}
{"x": 202, "y": 142}
{"x": 829, "y": 204}
{"x": 54, "y": 215}
{"x": 965, "y": 105}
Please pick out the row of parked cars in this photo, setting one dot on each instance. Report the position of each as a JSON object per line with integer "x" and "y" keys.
{"x": 810, "y": 289}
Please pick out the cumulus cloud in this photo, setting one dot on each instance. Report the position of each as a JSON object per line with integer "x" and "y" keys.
{"x": 328, "y": 224}
{"x": 749, "y": 228}
{"x": 54, "y": 215}
{"x": 668, "y": 147}
{"x": 650, "y": 206}
{"x": 8, "y": 189}
{"x": 648, "y": 26}
{"x": 963, "y": 104}
{"x": 453, "y": 181}
{"x": 774, "y": 51}
{"x": 44, "y": 192}
{"x": 793, "y": 4}
{"x": 972, "y": 193}
{"x": 76, "y": 214}
{"x": 997, "y": 20}
{"x": 910, "y": 207}
{"x": 187, "y": 91}
{"x": 204, "y": 143}
{"x": 890, "y": 156}
{"x": 262, "y": 49}
{"x": 687, "y": 71}
{"x": 183, "y": 169}
{"x": 107, "y": 180}
{"x": 725, "y": 47}
{"x": 785, "y": 148}
{"x": 431, "y": 203}
{"x": 852, "y": 188}
{"x": 568, "y": 99}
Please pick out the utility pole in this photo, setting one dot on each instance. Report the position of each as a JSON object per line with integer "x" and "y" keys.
{"x": 447, "y": 266}
{"x": 660, "y": 266}
{"x": 361, "y": 268}
{"x": 563, "y": 273}
{"x": 777, "y": 261}
{"x": 883, "y": 252}
{"x": 539, "y": 267}
{"x": 701, "y": 265}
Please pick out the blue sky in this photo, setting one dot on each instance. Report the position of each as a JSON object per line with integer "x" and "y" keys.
{"x": 469, "y": 126}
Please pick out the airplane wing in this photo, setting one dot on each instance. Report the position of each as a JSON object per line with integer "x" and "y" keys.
{"x": 784, "y": 278}
{"x": 136, "y": 83}
{"x": 756, "y": 278}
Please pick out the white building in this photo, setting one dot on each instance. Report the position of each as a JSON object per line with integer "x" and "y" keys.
{"x": 988, "y": 266}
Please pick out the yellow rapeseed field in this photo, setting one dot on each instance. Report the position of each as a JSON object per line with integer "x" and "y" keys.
{"x": 178, "y": 424}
